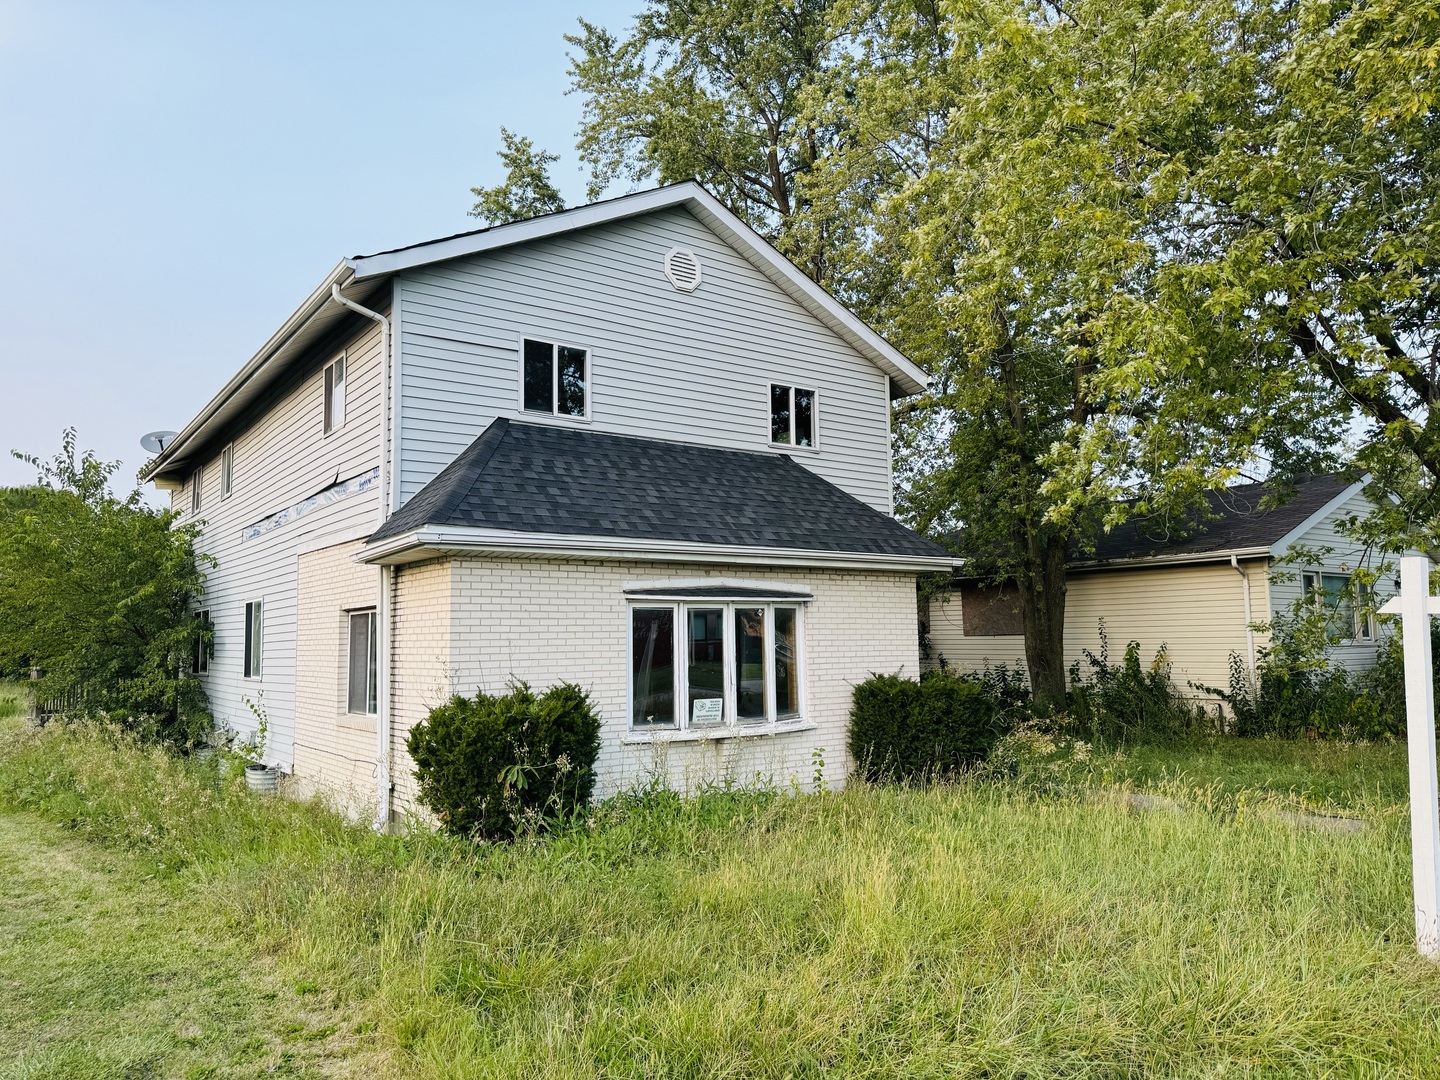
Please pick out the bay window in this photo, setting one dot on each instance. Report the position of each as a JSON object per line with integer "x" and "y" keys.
{"x": 727, "y": 665}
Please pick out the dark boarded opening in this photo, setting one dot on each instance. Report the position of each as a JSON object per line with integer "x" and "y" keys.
{"x": 990, "y": 610}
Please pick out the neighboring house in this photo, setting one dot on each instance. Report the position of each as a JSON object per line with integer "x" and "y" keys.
{"x": 627, "y": 445}
{"x": 1198, "y": 592}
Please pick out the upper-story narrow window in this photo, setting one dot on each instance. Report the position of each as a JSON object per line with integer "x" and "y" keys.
{"x": 227, "y": 471}
{"x": 197, "y": 489}
{"x": 792, "y": 415}
{"x": 335, "y": 395}
{"x": 555, "y": 379}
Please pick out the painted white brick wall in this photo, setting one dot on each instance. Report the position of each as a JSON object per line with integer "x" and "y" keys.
{"x": 334, "y": 751}
{"x": 545, "y": 622}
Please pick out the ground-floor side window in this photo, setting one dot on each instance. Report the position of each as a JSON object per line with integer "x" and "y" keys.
{"x": 254, "y": 637}
{"x": 711, "y": 665}
{"x": 362, "y": 697}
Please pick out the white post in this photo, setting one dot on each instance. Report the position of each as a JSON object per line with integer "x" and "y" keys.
{"x": 1420, "y": 724}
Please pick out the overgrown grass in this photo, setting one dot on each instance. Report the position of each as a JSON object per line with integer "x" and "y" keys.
{"x": 970, "y": 929}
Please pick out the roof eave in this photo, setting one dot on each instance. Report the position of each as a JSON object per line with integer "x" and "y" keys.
{"x": 434, "y": 541}
{"x": 161, "y": 464}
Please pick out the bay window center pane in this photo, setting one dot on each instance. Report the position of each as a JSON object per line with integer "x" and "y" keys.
{"x": 705, "y": 666}
{"x": 653, "y": 667}
{"x": 750, "y": 664}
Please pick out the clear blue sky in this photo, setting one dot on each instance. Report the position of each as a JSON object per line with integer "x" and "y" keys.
{"x": 176, "y": 177}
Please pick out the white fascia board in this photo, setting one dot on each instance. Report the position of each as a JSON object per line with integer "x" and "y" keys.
{"x": 1173, "y": 560}
{"x": 431, "y": 541}
{"x": 298, "y": 320}
{"x": 710, "y": 211}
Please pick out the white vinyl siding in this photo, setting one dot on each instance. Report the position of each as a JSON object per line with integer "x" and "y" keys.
{"x": 691, "y": 367}
{"x": 285, "y": 458}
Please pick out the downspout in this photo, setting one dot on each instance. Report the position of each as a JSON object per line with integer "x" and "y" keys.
{"x": 1249, "y": 629}
{"x": 387, "y": 574}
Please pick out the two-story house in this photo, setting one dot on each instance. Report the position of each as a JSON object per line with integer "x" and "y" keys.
{"x": 628, "y": 445}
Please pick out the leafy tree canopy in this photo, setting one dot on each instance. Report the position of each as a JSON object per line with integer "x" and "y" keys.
{"x": 527, "y": 190}
{"x": 97, "y": 591}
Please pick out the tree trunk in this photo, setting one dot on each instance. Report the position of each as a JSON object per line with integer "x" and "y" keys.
{"x": 1042, "y": 616}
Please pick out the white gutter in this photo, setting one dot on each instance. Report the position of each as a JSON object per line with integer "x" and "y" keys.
{"x": 1171, "y": 560}
{"x": 417, "y": 544}
{"x": 387, "y": 575}
{"x": 1249, "y": 619}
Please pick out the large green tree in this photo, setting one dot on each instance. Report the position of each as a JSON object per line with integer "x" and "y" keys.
{"x": 711, "y": 90}
{"x": 1025, "y": 194}
{"x": 97, "y": 591}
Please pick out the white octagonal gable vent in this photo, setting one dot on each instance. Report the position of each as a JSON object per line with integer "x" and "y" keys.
{"x": 682, "y": 267}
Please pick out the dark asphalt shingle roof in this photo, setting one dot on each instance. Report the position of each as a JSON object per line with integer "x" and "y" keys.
{"x": 542, "y": 478}
{"x": 1240, "y": 517}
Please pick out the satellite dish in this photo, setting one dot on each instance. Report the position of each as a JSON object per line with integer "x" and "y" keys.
{"x": 157, "y": 441}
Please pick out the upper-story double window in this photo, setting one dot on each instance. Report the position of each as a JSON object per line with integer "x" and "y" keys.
{"x": 792, "y": 416}
{"x": 555, "y": 379}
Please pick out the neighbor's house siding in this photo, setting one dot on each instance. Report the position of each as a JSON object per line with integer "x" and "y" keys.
{"x": 282, "y": 457}
{"x": 334, "y": 750}
{"x": 1197, "y": 612}
{"x": 473, "y": 624}
{"x": 1339, "y": 554}
{"x": 695, "y": 367}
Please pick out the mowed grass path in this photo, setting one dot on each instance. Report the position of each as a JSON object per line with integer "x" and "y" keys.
{"x": 978, "y": 929}
{"x": 107, "y": 972}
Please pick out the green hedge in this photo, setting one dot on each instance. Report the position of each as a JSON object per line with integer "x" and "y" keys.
{"x": 495, "y": 765}
{"x": 903, "y": 729}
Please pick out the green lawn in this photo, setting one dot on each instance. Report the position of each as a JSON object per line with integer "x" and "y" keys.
{"x": 991, "y": 928}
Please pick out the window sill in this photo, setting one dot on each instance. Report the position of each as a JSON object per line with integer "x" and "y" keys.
{"x": 356, "y": 722}
{"x": 555, "y": 418}
{"x": 789, "y": 448}
{"x": 641, "y": 738}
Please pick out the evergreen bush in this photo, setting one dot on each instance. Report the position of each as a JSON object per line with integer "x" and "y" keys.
{"x": 905, "y": 729}
{"x": 494, "y": 765}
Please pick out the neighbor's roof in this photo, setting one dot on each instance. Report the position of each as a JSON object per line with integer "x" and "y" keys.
{"x": 362, "y": 278}
{"x": 1249, "y": 518}
{"x": 524, "y": 479}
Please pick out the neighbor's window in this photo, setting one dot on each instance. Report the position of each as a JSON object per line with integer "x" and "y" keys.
{"x": 197, "y": 489}
{"x": 554, "y": 379}
{"x": 362, "y": 696}
{"x": 200, "y": 661}
{"x": 227, "y": 471}
{"x": 730, "y": 664}
{"x": 335, "y": 395}
{"x": 254, "y": 637}
{"x": 1333, "y": 594}
{"x": 792, "y": 415}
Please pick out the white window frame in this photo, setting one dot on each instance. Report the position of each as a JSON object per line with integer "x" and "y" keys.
{"x": 731, "y": 725}
{"x": 556, "y": 345}
{"x": 253, "y": 663}
{"x": 814, "y": 447}
{"x": 227, "y": 471}
{"x": 197, "y": 489}
{"x": 329, "y": 423}
{"x": 1362, "y": 624}
{"x": 372, "y": 708}
{"x": 200, "y": 663}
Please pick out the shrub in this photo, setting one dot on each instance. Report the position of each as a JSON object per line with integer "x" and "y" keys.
{"x": 904, "y": 729}
{"x": 493, "y": 765}
{"x": 1327, "y": 703}
{"x": 1129, "y": 701}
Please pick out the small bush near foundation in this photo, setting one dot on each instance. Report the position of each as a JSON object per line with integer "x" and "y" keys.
{"x": 495, "y": 765}
{"x": 903, "y": 729}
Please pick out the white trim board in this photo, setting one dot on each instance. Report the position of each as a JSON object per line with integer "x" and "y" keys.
{"x": 432, "y": 541}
